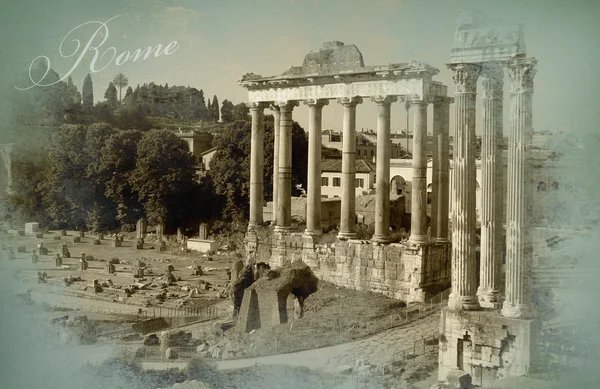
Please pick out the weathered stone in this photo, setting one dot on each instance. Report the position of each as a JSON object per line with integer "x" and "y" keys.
{"x": 76, "y": 239}
{"x": 171, "y": 353}
{"x": 459, "y": 379}
{"x": 139, "y": 244}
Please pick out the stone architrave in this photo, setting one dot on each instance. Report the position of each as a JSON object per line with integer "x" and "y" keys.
{"x": 517, "y": 303}
{"x": 492, "y": 186}
{"x": 284, "y": 191}
{"x": 418, "y": 224}
{"x": 464, "y": 212}
{"x": 382, "y": 199}
{"x": 313, "y": 200}
{"x": 276, "y": 133}
{"x": 348, "y": 206}
{"x": 256, "y": 164}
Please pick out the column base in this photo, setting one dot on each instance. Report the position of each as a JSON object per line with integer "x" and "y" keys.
{"x": 463, "y": 303}
{"x": 313, "y": 232}
{"x": 489, "y": 298}
{"x": 515, "y": 311}
{"x": 343, "y": 235}
{"x": 283, "y": 229}
{"x": 252, "y": 226}
{"x": 419, "y": 239}
{"x": 441, "y": 240}
{"x": 381, "y": 238}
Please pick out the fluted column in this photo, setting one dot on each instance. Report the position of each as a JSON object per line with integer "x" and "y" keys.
{"x": 256, "y": 164}
{"x": 276, "y": 123}
{"x": 418, "y": 217}
{"x": 440, "y": 181}
{"x": 463, "y": 216}
{"x": 313, "y": 201}
{"x": 382, "y": 197}
{"x": 348, "y": 210}
{"x": 492, "y": 193}
{"x": 517, "y": 303}
{"x": 284, "y": 190}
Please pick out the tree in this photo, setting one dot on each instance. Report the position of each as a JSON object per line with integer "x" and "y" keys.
{"x": 118, "y": 163}
{"x": 230, "y": 167}
{"x": 240, "y": 112}
{"x": 129, "y": 95}
{"x": 227, "y": 111}
{"x": 87, "y": 93}
{"x": 120, "y": 81}
{"x": 215, "y": 110}
{"x": 163, "y": 176}
{"x": 111, "y": 95}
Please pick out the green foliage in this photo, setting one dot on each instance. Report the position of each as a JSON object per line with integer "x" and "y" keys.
{"x": 120, "y": 81}
{"x": 87, "y": 93}
{"x": 214, "y": 110}
{"x": 240, "y": 112}
{"x": 111, "y": 96}
{"x": 163, "y": 175}
{"x": 227, "y": 111}
{"x": 230, "y": 167}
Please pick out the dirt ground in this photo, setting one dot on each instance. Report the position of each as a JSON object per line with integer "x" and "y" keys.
{"x": 215, "y": 270}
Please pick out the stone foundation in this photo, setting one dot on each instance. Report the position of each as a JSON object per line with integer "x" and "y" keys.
{"x": 408, "y": 272}
{"x": 486, "y": 345}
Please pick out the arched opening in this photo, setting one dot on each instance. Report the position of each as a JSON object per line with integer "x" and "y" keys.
{"x": 398, "y": 185}
{"x": 555, "y": 185}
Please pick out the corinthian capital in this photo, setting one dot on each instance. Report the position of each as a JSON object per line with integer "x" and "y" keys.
{"x": 492, "y": 80}
{"x": 465, "y": 77}
{"x": 521, "y": 73}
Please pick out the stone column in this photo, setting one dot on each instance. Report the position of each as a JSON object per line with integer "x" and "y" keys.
{"x": 517, "y": 303}
{"x": 276, "y": 123}
{"x": 256, "y": 164}
{"x": 418, "y": 217}
{"x": 382, "y": 199}
{"x": 313, "y": 201}
{"x": 348, "y": 207}
{"x": 284, "y": 190}
{"x": 492, "y": 196}
{"x": 440, "y": 184}
{"x": 463, "y": 215}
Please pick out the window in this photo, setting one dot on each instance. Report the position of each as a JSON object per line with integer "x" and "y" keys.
{"x": 324, "y": 181}
{"x": 372, "y": 153}
{"x": 360, "y": 182}
{"x": 336, "y": 181}
{"x": 541, "y": 186}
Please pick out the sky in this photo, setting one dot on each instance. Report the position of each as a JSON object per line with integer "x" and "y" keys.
{"x": 219, "y": 41}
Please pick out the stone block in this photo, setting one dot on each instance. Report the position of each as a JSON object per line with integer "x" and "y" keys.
{"x": 390, "y": 274}
{"x": 459, "y": 379}
{"x": 379, "y": 264}
{"x": 31, "y": 228}
{"x": 171, "y": 353}
{"x": 76, "y": 239}
{"x": 39, "y": 235}
{"x": 116, "y": 243}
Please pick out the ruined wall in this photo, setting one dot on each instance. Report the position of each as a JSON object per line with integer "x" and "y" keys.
{"x": 486, "y": 345}
{"x": 398, "y": 270}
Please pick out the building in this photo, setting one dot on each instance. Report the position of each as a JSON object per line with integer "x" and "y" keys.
{"x": 198, "y": 143}
{"x": 205, "y": 159}
{"x": 366, "y": 144}
{"x": 331, "y": 177}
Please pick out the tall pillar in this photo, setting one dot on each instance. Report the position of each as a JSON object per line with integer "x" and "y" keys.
{"x": 313, "y": 201}
{"x": 348, "y": 207}
{"x": 517, "y": 303}
{"x": 492, "y": 196}
{"x": 382, "y": 197}
{"x": 440, "y": 183}
{"x": 276, "y": 123}
{"x": 418, "y": 217}
{"x": 284, "y": 190}
{"x": 256, "y": 164}
{"x": 463, "y": 215}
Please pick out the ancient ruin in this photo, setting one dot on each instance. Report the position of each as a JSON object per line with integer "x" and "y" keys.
{"x": 490, "y": 343}
{"x": 337, "y": 72}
